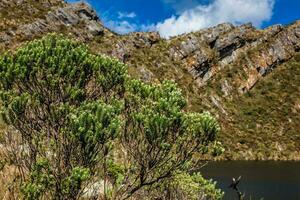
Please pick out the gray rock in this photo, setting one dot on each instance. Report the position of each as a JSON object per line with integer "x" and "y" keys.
{"x": 217, "y": 102}
{"x": 274, "y": 30}
{"x": 95, "y": 28}
{"x": 68, "y": 15}
{"x": 146, "y": 75}
{"x": 4, "y": 37}
{"x": 189, "y": 46}
{"x": 94, "y": 190}
{"x": 64, "y": 16}
{"x": 233, "y": 40}
{"x": 203, "y": 64}
{"x": 125, "y": 48}
{"x": 37, "y": 27}
{"x": 144, "y": 40}
{"x": 226, "y": 88}
{"x": 281, "y": 48}
{"x": 211, "y": 35}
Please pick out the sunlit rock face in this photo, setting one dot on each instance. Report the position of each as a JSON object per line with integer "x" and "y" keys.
{"x": 207, "y": 51}
{"x": 53, "y": 16}
{"x": 203, "y": 53}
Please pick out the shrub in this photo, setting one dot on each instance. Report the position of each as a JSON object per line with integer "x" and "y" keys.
{"x": 79, "y": 118}
{"x": 64, "y": 103}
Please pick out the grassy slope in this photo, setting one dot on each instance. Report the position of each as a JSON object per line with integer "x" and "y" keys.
{"x": 263, "y": 124}
{"x": 266, "y": 120}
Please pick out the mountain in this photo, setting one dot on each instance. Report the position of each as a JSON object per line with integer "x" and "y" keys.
{"x": 247, "y": 77}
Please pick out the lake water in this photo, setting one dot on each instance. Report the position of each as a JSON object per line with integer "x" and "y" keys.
{"x": 260, "y": 180}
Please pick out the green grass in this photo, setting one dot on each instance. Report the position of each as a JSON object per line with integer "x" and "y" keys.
{"x": 266, "y": 119}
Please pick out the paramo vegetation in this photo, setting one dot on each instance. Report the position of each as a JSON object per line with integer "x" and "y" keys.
{"x": 78, "y": 127}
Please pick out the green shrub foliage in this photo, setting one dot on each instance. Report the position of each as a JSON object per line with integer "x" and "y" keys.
{"x": 80, "y": 118}
{"x": 185, "y": 186}
{"x": 159, "y": 137}
{"x": 66, "y": 104}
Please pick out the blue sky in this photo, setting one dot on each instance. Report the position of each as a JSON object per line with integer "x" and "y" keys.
{"x": 174, "y": 17}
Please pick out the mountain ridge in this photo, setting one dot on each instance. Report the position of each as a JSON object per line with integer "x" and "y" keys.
{"x": 223, "y": 69}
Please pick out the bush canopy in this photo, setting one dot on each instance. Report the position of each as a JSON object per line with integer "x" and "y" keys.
{"x": 82, "y": 121}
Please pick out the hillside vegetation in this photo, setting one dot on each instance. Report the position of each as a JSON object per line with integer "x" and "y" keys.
{"x": 78, "y": 127}
{"x": 247, "y": 78}
{"x": 266, "y": 119}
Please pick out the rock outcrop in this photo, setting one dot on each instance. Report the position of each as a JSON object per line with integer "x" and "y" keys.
{"x": 79, "y": 16}
{"x": 203, "y": 53}
{"x": 206, "y": 52}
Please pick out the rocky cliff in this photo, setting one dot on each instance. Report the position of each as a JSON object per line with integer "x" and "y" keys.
{"x": 249, "y": 78}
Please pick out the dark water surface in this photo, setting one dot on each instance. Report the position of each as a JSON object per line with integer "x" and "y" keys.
{"x": 260, "y": 179}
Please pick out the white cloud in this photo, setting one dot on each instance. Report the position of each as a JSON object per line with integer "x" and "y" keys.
{"x": 124, "y": 22}
{"x": 118, "y": 22}
{"x": 124, "y": 27}
{"x": 218, "y": 11}
{"x": 121, "y": 27}
{"x": 122, "y": 15}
